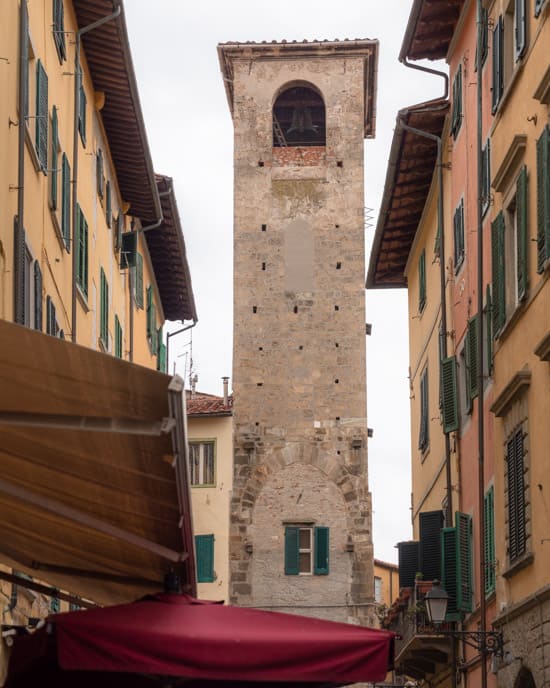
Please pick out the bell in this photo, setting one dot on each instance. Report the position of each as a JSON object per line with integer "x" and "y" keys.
{"x": 302, "y": 121}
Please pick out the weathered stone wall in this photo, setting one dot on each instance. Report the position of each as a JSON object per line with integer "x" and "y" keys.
{"x": 299, "y": 341}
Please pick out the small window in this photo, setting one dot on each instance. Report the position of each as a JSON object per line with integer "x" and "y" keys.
{"x": 202, "y": 464}
{"x": 82, "y": 252}
{"x": 55, "y": 605}
{"x": 486, "y": 177}
{"x": 161, "y": 353}
{"x": 299, "y": 118}
{"x": 377, "y": 589}
{"x": 515, "y": 497}
{"x": 498, "y": 63}
{"x": 104, "y": 310}
{"x": 37, "y": 296}
{"x": 59, "y": 29}
{"x": 489, "y": 549}
{"x": 424, "y": 425}
{"x": 118, "y": 337}
{"x": 458, "y": 230}
{"x": 82, "y": 113}
{"x": 54, "y": 160}
{"x": 151, "y": 320}
{"x": 543, "y": 199}
{"x": 306, "y": 550}
{"x": 100, "y": 174}
{"x": 422, "y": 281}
{"x": 41, "y": 130}
{"x": 138, "y": 280}
{"x": 204, "y": 547}
{"x": 66, "y": 201}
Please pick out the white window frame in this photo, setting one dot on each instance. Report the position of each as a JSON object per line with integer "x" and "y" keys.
{"x": 199, "y": 481}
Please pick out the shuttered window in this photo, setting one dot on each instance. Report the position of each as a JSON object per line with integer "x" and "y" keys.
{"x": 139, "y": 280}
{"x": 306, "y": 550}
{"x": 118, "y": 337}
{"x": 108, "y": 205}
{"x": 456, "y": 115}
{"x": 82, "y": 252}
{"x": 52, "y": 328}
{"x": 104, "y": 309}
{"x": 449, "y": 573}
{"x": 66, "y": 201}
{"x": 471, "y": 357}
{"x": 522, "y": 232}
{"x": 37, "y": 296}
{"x": 538, "y": 6}
{"x": 488, "y": 332}
{"x": 489, "y": 548}
{"x": 517, "y": 539}
{"x": 498, "y": 63}
{"x": 449, "y": 394}
{"x": 128, "y": 250}
{"x": 422, "y": 281}
{"x": 499, "y": 273}
{"x": 458, "y": 231}
{"x": 100, "y": 174}
{"x": 22, "y": 314}
{"x": 41, "y": 130}
{"x": 151, "y": 320}
{"x": 161, "y": 354}
{"x": 456, "y": 566}
{"x": 59, "y": 29}
{"x": 520, "y": 28}
{"x": 423, "y": 434}
{"x": 408, "y": 558}
{"x": 83, "y": 103}
{"x": 119, "y": 224}
{"x": 204, "y": 547}
{"x": 54, "y": 162}
{"x": 543, "y": 198}
{"x": 430, "y": 524}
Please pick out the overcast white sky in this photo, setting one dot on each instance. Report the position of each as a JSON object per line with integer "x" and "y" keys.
{"x": 191, "y": 138}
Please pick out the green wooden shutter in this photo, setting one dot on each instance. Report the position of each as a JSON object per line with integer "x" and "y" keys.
{"x": 449, "y": 394}
{"x": 430, "y": 524}
{"x": 498, "y": 63}
{"x": 204, "y": 546}
{"x": 458, "y": 230}
{"x": 422, "y": 281}
{"x": 100, "y": 177}
{"x": 292, "y": 556}
{"x": 408, "y": 557}
{"x": 456, "y": 119}
{"x": 499, "y": 273}
{"x": 520, "y": 30}
{"x": 321, "y": 539}
{"x": 486, "y": 177}
{"x": 66, "y": 202}
{"x": 59, "y": 29}
{"x": 20, "y": 284}
{"x": 41, "y": 139}
{"x": 37, "y": 296}
{"x": 449, "y": 572}
{"x": 471, "y": 362}
{"x": 522, "y": 232}
{"x": 128, "y": 250}
{"x": 517, "y": 536}
{"x": 104, "y": 309}
{"x": 463, "y": 524}
{"x": 543, "y": 198}
{"x": 139, "y": 280}
{"x": 82, "y": 113}
{"x": 54, "y": 174}
{"x": 423, "y": 435}
{"x": 82, "y": 247}
{"x": 489, "y": 545}
{"x": 118, "y": 337}
{"x": 108, "y": 205}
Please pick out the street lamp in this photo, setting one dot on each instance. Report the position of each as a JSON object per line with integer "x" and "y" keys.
{"x": 485, "y": 642}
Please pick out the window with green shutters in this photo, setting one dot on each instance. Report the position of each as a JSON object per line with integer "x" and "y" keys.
{"x": 138, "y": 282}
{"x": 471, "y": 357}
{"x": 498, "y": 63}
{"x": 430, "y": 524}
{"x": 41, "y": 125}
{"x": 83, "y": 103}
{"x": 204, "y": 549}
{"x": 161, "y": 353}
{"x": 458, "y": 231}
{"x": 104, "y": 309}
{"x": 422, "y": 281}
{"x": 520, "y": 28}
{"x": 449, "y": 394}
{"x": 543, "y": 199}
{"x": 37, "y": 296}
{"x": 522, "y": 228}
{"x": 306, "y": 550}
{"x": 118, "y": 338}
{"x": 100, "y": 174}
{"x": 54, "y": 161}
{"x": 108, "y": 205}
{"x": 456, "y": 114}
{"x": 128, "y": 250}
{"x": 488, "y": 333}
{"x": 489, "y": 546}
{"x": 424, "y": 437}
{"x": 82, "y": 252}
{"x": 66, "y": 202}
{"x": 515, "y": 495}
{"x": 408, "y": 557}
{"x": 151, "y": 320}
{"x": 59, "y": 29}
{"x": 498, "y": 273}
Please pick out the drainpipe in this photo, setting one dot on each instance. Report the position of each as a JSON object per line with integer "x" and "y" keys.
{"x": 77, "y": 85}
{"x": 428, "y": 70}
{"x": 480, "y": 380}
{"x": 19, "y": 232}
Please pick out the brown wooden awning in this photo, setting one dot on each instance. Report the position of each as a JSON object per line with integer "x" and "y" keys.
{"x": 94, "y": 497}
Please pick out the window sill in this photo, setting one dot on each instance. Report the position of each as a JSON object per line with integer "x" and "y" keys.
{"x": 57, "y": 227}
{"x": 511, "y": 322}
{"x": 520, "y": 563}
{"x": 207, "y": 485}
{"x": 81, "y": 296}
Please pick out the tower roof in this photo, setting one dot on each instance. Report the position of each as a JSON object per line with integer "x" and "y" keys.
{"x": 358, "y": 47}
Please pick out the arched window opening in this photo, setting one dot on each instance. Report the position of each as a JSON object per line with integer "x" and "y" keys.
{"x": 299, "y": 118}
{"x": 524, "y": 679}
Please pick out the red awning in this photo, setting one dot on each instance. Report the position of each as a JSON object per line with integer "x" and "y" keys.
{"x": 176, "y": 635}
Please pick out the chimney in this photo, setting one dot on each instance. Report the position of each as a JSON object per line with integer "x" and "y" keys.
{"x": 225, "y": 390}
{"x": 194, "y": 380}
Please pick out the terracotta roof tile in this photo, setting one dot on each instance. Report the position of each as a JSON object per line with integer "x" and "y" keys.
{"x": 200, "y": 404}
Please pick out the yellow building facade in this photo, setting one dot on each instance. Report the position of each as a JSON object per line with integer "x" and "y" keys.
{"x": 91, "y": 248}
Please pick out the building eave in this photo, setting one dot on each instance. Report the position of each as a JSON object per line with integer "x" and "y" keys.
{"x": 430, "y": 29}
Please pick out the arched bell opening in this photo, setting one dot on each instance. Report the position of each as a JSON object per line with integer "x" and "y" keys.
{"x": 299, "y": 118}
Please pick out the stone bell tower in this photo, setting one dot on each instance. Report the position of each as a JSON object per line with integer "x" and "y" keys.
{"x": 300, "y": 530}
